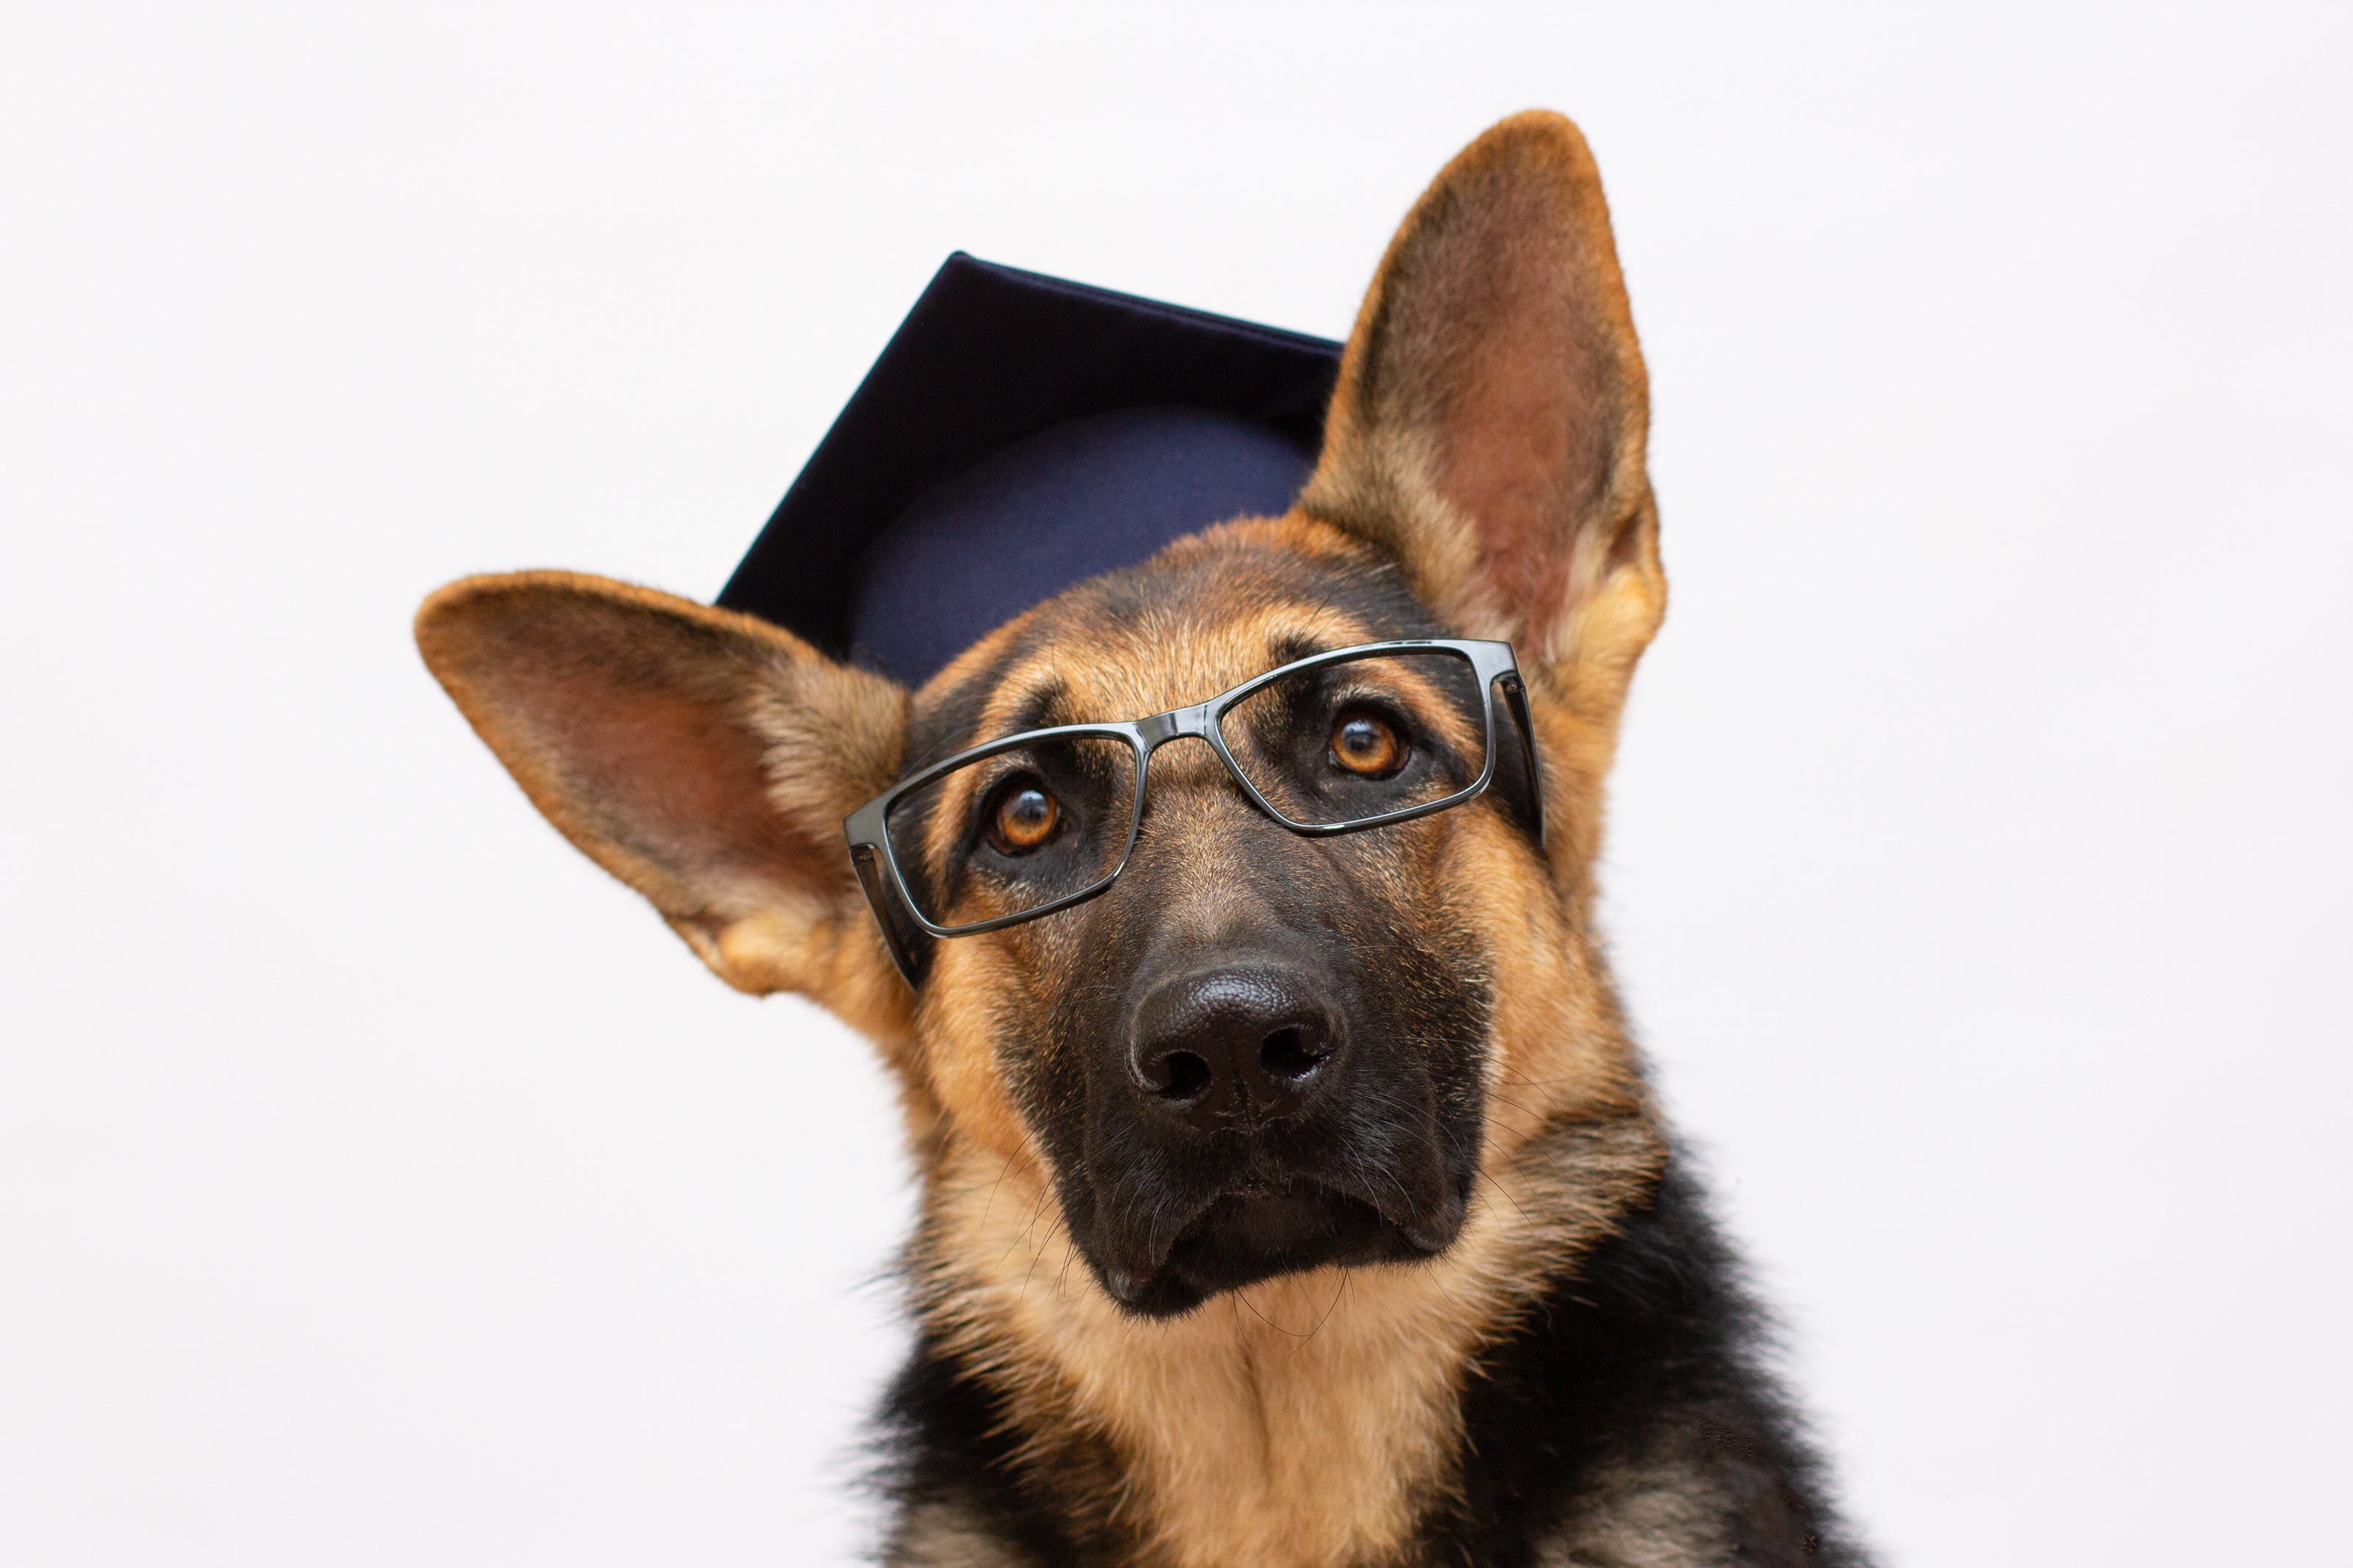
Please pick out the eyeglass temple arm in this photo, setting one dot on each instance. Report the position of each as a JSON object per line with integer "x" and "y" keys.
{"x": 1515, "y": 693}
{"x": 910, "y": 945}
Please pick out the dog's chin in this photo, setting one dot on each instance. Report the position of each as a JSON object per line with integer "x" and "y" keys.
{"x": 1245, "y": 1238}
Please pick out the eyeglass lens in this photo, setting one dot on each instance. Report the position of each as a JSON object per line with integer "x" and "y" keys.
{"x": 1013, "y": 832}
{"x": 1358, "y": 739}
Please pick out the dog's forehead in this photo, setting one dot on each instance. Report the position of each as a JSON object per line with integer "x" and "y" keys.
{"x": 1197, "y": 620}
{"x": 1123, "y": 660}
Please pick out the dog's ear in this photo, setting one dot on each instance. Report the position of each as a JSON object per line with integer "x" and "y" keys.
{"x": 705, "y": 758}
{"x": 1489, "y": 423}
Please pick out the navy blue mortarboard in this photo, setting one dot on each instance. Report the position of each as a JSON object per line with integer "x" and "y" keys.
{"x": 1020, "y": 433}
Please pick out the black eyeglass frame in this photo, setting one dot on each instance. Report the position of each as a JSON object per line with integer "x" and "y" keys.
{"x": 867, "y": 829}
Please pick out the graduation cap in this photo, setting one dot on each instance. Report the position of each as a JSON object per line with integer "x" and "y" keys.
{"x": 1018, "y": 434}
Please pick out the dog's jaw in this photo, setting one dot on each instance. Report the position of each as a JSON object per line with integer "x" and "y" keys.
{"x": 1242, "y": 1237}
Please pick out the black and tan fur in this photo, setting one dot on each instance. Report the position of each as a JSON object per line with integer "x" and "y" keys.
{"x": 1571, "y": 1377}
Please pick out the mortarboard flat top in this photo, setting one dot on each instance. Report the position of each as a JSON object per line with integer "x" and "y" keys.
{"x": 1020, "y": 433}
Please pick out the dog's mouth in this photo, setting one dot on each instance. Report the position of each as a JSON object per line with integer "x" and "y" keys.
{"x": 1259, "y": 1230}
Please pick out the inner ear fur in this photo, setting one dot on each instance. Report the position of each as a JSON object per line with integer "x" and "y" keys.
{"x": 703, "y": 757}
{"x": 1489, "y": 422}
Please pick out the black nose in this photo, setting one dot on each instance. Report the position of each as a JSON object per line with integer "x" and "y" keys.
{"x": 1242, "y": 1044}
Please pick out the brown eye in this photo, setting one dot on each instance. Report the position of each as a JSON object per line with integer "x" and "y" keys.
{"x": 1365, "y": 743}
{"x": 1025, "y": 817}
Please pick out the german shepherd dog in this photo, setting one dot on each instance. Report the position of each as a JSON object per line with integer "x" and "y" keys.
{"x": 1384, "y": 1254}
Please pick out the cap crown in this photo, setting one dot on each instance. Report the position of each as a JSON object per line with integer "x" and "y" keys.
{"x": 1018, "y": 434}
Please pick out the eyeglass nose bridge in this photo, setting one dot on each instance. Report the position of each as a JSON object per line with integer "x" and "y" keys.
{"x": 1161, "y": 729}
{"x": 1195, "y": 722}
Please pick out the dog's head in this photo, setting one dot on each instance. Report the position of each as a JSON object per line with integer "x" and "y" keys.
{"x": 1259, "y": 1051}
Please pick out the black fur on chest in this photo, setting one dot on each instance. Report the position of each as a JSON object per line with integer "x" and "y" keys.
{"x": 1642, "y": 1367}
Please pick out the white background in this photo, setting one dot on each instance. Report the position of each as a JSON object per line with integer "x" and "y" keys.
{"x": 381, "y": 1184}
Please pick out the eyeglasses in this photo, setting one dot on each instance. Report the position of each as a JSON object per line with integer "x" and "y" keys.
{"x": 1335, "y": 743}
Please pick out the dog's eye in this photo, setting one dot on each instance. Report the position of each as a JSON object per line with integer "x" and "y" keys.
{"x": 1366, "y": 744}
{"x": 1024, "y": 818}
